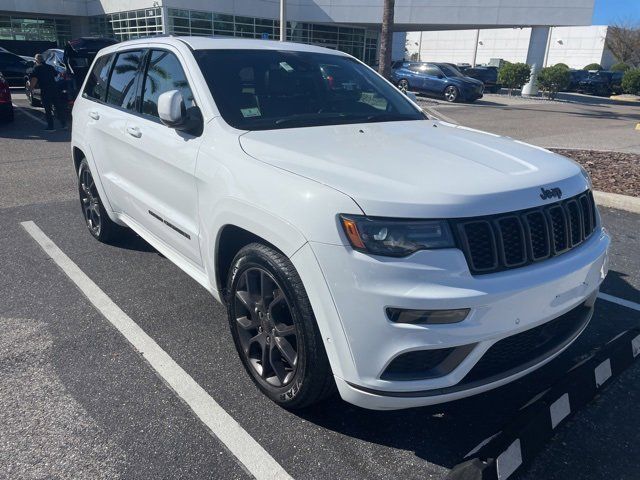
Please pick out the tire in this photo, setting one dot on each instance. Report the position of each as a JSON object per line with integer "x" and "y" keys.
{"x": 272, "y": 324}
{"x": 101, "y": 227}
{"x": 451, "y": 93}
{"x": 32, "y": 101}
{"x": 403, "y": 85}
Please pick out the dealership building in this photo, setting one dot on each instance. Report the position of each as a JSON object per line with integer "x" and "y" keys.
{"x": 573, "y": 46}
{"x": 349, "y": 25}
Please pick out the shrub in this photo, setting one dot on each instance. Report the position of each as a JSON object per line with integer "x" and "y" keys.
{"x": 631, "y": 81}
{"x": 552, "y": 80}
{"x": 620, "y": 67}
{"x": 514, "y": 75}
{"x": 563, "y": 65}
{"x": 593, "y": 66}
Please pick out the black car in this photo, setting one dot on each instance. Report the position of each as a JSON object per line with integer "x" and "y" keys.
{"x": 576, "y": 76}
{"x": 13, "y": 68}
{"x": 602, "y": 83}
{"x": 487, "y": 75}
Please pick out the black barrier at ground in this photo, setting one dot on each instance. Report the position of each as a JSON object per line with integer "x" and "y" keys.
{"x": 516, "y": 445}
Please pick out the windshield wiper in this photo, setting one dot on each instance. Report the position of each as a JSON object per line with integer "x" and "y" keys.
{"x": 309, "y": 118}
{"x": 390, "y": 117}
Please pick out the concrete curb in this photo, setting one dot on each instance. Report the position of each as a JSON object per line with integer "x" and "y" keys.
{"x": 614, "y": 200}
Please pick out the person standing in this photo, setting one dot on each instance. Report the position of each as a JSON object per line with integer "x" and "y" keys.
{"x": 43, "y": 76}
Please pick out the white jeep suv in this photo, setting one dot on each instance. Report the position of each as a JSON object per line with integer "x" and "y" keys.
{"x": 355, "y": 242}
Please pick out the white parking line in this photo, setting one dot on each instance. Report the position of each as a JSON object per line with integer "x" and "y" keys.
{"x": 31, "y": 115}
{"x": 248, "y": 452}
{"x": 439, "y": 115}
{"x": 620, "y": 301}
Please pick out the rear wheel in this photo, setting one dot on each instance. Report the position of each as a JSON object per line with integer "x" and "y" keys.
{"x": 95, "y": 216}
{"x": 451, "y": 93}
{"x": 274, "y": 329}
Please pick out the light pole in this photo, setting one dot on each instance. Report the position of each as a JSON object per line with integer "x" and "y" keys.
{"x": 283, "y": 20}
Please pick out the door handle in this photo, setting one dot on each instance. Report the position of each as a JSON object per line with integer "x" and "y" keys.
{"x": 94, "y": 115}
{"x": 134, "y": 132}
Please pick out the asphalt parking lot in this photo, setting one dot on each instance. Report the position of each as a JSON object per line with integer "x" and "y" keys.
{"x": 77, "y": 401}
{"x": 577, "y": 121}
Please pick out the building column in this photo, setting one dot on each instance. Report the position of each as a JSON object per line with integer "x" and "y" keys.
{"x": 535, "y": 57}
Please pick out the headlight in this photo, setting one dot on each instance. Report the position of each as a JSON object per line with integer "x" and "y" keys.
{"x": 396, "y": 238}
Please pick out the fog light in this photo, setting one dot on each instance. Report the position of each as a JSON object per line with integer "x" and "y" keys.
{"x": 428, "y": 317}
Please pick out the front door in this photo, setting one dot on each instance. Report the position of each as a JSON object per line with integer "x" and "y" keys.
{"x": 163, "y": 160}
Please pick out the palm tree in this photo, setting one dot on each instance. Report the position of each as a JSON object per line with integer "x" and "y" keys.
{"x": 384, "y": 57}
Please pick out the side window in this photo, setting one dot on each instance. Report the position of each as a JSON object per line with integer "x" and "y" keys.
{"x": 122, "y": 85}
{"x": 164, "y": 73}
{"x": 96, "y": 86}
{"x": 432, "y": 71}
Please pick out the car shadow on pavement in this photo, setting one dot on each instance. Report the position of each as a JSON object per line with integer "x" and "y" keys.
{"x": 444, "y": 434}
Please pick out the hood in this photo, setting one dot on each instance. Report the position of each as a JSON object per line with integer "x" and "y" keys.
{"x": 419, "y": 169}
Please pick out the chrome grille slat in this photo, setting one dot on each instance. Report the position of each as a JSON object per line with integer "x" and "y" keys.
{"x": 505, "y": 241}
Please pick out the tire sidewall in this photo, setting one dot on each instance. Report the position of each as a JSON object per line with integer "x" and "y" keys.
{"x": 290, "y": 392}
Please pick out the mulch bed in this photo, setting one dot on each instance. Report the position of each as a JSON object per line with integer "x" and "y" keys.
{"x": 612, "y": 172}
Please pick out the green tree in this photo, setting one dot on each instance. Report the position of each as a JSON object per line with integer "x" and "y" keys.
{"x": 563, "y": 65}
{"x": 631, "y": 81}
{"x": 552, "y": 80}
{"x": 593, "y": 66}
{"x": 514, "y": 75}
{"x": 620, "y": 67}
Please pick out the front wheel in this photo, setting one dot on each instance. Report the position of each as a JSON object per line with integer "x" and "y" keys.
{"x": 274, "y": 329}
{"x": 451, "y": 93}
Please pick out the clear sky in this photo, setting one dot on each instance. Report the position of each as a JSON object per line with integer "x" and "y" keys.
{"x": 607, "y": 12}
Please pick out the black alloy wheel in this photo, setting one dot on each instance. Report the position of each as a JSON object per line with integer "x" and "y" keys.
{"x": 274, "y": 328}
{"x": 403, "y": 85}
{"x": 89, "y": 200}
{"x": 265, "y": 327}
{"x": 95, "y": 216}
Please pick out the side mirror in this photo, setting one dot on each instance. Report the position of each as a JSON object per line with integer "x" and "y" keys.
{"x": 174, "y": 114}
{"x": 171, "y": 109}
{"x": 411, "y": 96}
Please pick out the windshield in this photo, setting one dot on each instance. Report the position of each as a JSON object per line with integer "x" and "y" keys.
{"x": 270, "y": 89}
{"x": 449, "y": 71}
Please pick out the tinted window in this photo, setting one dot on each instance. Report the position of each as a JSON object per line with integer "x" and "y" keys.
{"x": 96, "y": 86}
{"x": 449, "y": 71}
{"x": 268, "y": 89}
{"x": 122, "y": 88}
{"x": 164, "y": 74}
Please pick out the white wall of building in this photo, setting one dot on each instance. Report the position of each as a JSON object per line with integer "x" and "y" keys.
{"x": 419, "y": 14}
{"x": 575, "y": 46}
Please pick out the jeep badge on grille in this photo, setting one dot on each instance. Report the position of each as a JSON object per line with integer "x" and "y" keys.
{"x": 550, "y": 193}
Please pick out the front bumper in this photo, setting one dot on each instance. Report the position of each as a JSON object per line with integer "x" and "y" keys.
{"x": 359, "y": 287}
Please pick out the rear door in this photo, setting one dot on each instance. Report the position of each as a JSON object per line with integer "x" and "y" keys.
{"x": 162, "y": 161}
{"x": 107, "y": 117}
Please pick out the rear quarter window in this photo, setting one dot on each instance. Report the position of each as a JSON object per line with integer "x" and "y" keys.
{"x": 98, "y": 78}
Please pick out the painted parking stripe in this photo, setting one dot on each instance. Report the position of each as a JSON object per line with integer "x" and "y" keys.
{"x": 620, "y": 301}
{"x": 31, "y": 115}
{"x": 249, "y": 453}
